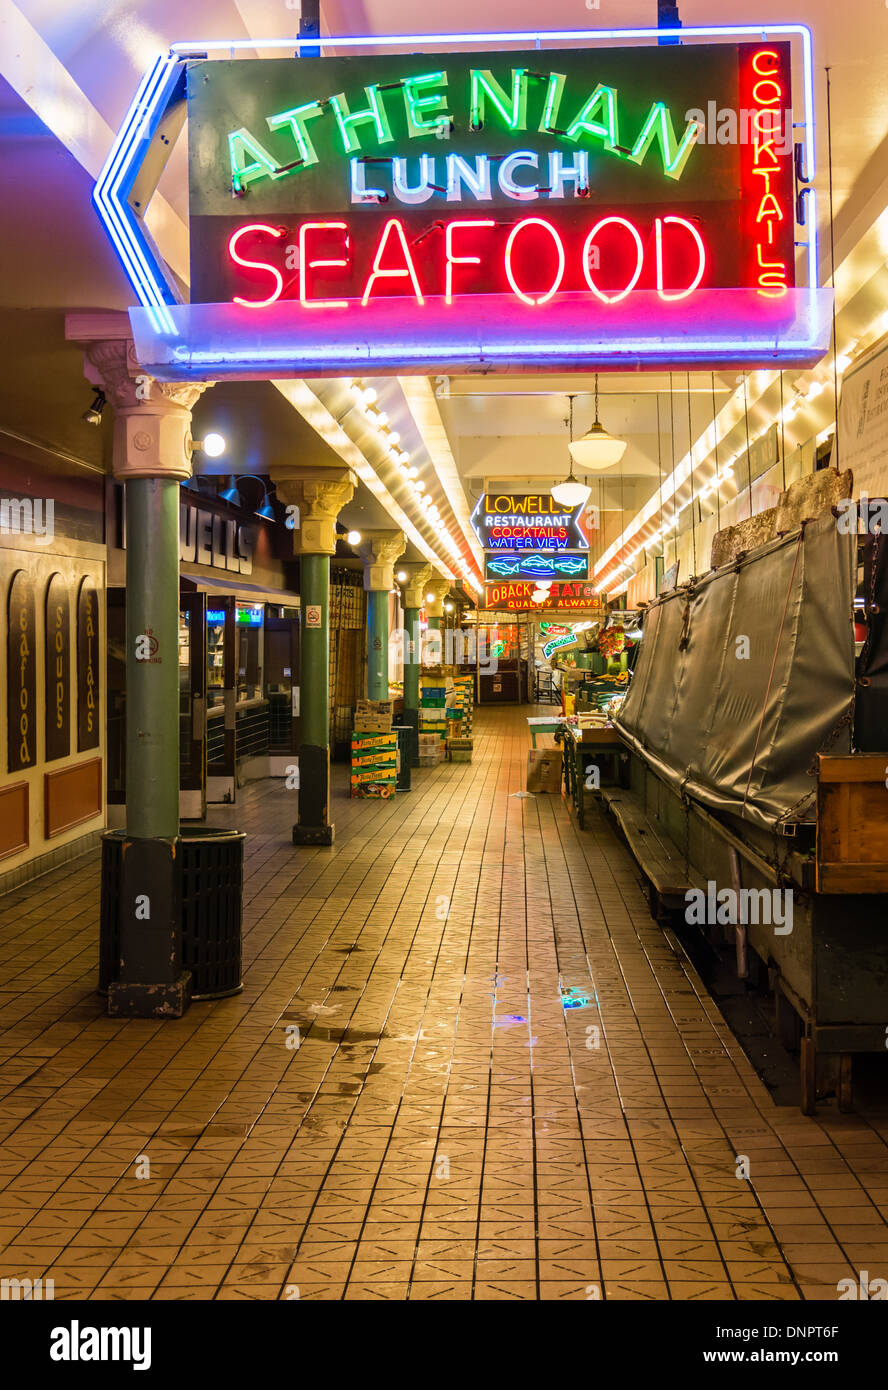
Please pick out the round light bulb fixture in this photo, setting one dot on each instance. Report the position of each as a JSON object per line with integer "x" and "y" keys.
{"x": 596, "y": 449}
{"x": 353, "y": 537}
{"x": 401, "y": 576}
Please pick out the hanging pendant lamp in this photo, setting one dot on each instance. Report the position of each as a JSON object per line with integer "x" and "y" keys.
{"x": 571, "y": 493}
{"x": 597, "y": 449}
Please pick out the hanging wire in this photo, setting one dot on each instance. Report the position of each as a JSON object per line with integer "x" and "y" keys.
{"x": 748, "y": 455}
{"x": 782, "y": 433}
{"x": 660, "y": 466}
{"x": 715, "y": 438}
{"x": 832, "y": 267}
{"x": 672, "y": 453}
{"x": 693, "y": 499}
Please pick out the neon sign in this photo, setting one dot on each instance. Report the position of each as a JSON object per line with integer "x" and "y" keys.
{"x": 515, "y": 596}
{"x": 532, "y": 522}
{"x": 626, "y": 198}
{"x": 535, "y": 565}
{"x": 504, "y": 208}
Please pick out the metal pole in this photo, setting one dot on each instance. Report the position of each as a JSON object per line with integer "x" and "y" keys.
{"x": 314, "y": 753}
{"x": 152, "y": 658}
{"x": 377, "y": 644}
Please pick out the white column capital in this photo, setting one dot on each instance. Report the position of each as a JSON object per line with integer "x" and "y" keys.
{"x": 319, "y": 494}
{"x": 152, "y": 419}
{"x": 417, "y": 585}
{"x": 379, "y": 550}
{"x": 438, "y": 587}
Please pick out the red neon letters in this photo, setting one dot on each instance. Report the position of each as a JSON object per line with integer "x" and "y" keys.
{"x": 765, "y": 175}
{"x": 256, "y": 265}
{"x": 305, "y": 265}
{"x": 533, "y": 259}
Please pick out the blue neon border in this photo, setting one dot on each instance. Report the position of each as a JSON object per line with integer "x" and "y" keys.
{"x": 140, "y": 262}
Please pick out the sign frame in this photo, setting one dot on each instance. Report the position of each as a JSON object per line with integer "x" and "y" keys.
{"x": 177, "y": 341}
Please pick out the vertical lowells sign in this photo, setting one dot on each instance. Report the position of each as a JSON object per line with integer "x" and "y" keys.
{"x": 87, "y": 666}
{"x": 57, "y": 670}
{"x": 21, "y": 674}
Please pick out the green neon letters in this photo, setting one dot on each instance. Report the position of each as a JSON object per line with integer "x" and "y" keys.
{"x": 426, "y": 111}
{"x": 374, "y": 114}
{"x": 417, "y": 122}
{"x": 605, "y": 100}
{"x": 512, "y": 107}
{"x": 263, "y": 165}
{"x": 296, "y": 119}
{"x": 659, "y": 126}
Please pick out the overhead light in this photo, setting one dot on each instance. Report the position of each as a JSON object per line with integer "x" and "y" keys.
{"x": 430, "y": 598}
{"x": 597, "y": 449}
{"x": 448, "y": 608}
{"x": 213, "y": 445}
{"x": 93, "y": 416}
{"x": 401, "y": 576}
{"x": 266, "y": 510}
{"x": 353, "y": 537}
{"x": 571, "y": 493}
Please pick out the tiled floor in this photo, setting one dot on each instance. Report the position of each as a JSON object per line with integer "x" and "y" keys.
{"x": 449, "y": 1128}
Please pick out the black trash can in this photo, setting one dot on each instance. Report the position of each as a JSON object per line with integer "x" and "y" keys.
{"x": 405, "y": 749}
{"x": 211, "y": 864}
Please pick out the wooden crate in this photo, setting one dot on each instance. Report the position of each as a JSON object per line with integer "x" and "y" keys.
{"x": 852, "y": 823}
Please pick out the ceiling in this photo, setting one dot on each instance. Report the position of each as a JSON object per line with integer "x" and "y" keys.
{"x": 68, "y": 73}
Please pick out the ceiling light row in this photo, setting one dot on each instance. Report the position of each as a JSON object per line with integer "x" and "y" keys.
{"x": 366, "y": 400}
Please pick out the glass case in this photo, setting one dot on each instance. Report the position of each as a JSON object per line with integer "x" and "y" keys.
{"x": 249, "y": 622}
{"x": 215, "y": 655}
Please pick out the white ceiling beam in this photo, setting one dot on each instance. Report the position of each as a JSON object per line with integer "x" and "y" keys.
{"x": 31, "y": 68}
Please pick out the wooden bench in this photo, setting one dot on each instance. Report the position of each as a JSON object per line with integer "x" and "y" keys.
{"x": 658, "y": 857}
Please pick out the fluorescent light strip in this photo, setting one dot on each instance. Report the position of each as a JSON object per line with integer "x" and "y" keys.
{"x": 671, "y": 486}
{"x": 139, "y": 131}
{"x": 141, "y": 267}
{"x": 533, "y": 36}
{"x": 110, "y": 212}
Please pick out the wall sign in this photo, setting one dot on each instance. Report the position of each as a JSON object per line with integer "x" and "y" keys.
{"x": 88, "y": 699}
{"x": 21, "y": 674}
{"x": 206, "y": 538}
{"x": 515, "y": 596}
{"x": 515, "y": 524}
{"x": 57, "y": 670}
{"x": 863, "y": 424}
{"x": 541, "y": 207}
{"x": 511, "y": 564}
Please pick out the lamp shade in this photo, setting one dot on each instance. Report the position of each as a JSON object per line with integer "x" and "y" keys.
{"x": 570, "y": 493}
{"x": 596, "y": 449}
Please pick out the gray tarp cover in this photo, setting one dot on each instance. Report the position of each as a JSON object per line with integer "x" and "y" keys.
{"x": 697, "y": 712}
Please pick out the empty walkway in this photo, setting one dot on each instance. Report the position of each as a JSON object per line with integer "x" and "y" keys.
{"x": 507, "y": 1082}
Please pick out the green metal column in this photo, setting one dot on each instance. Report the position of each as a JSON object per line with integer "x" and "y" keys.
{"x": 411, "y": 658}
{"x": 314, "y": 753}
{"x": 377, "y": 644}
{"x": 412, "y": 646}
{"x": 152, "y": 658}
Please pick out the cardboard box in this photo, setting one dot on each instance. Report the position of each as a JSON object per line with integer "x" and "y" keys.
{"x": 544, "y": 771}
